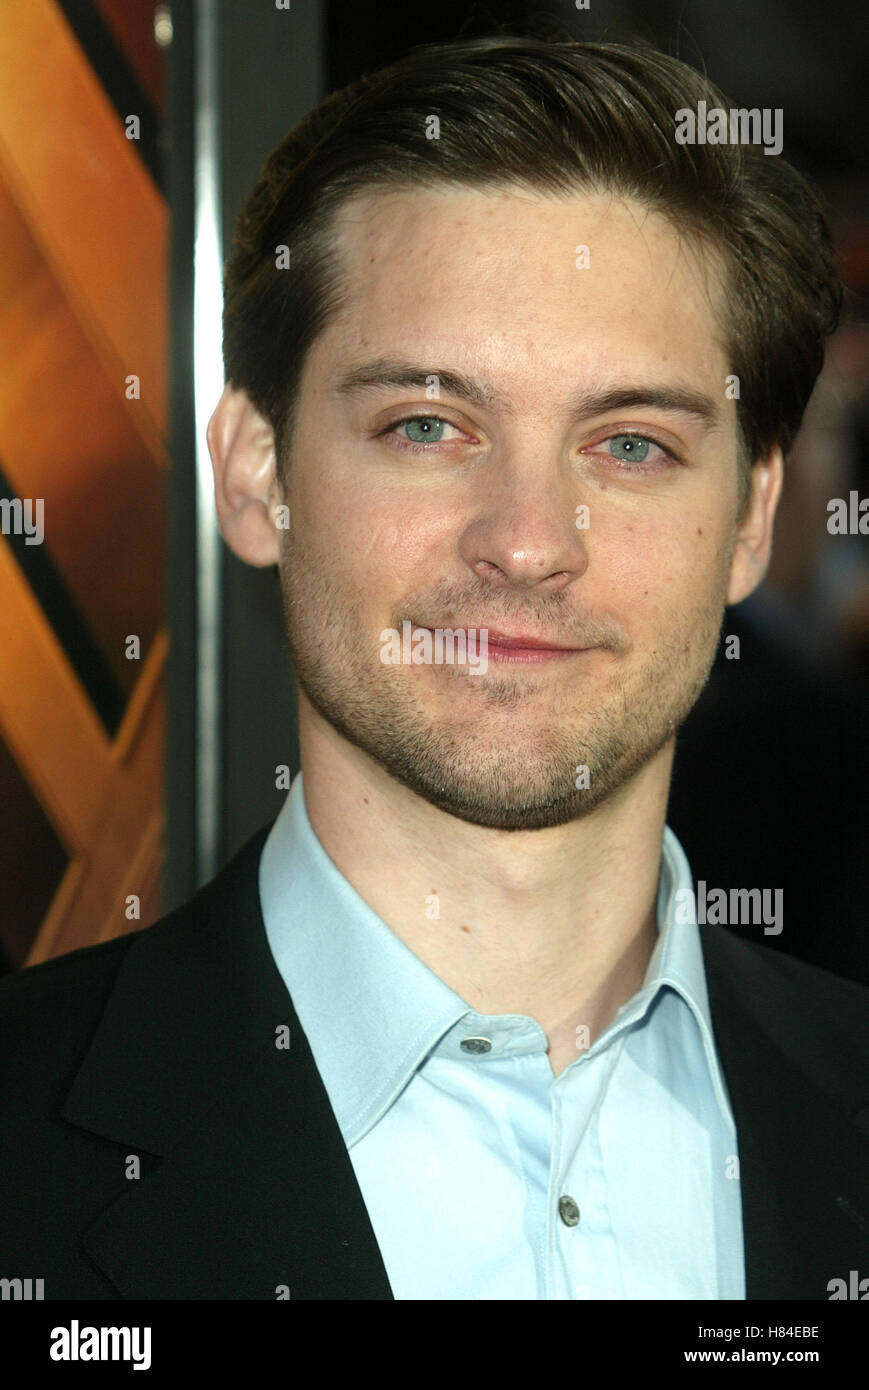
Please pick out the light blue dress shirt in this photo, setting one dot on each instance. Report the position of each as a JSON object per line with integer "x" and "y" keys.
{"x": 485, "y": 1176}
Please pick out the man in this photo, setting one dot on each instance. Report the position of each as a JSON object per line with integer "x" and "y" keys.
{"x": 505, "y": 361}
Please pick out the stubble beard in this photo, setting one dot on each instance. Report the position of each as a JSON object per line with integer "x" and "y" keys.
{"x": 482, "y": 760}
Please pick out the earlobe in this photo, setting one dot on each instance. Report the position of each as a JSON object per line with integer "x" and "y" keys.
{"x": 753, "y": 542}
{"x": 242, "y": 449}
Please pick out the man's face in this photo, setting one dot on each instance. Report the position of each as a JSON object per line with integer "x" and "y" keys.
{"x": 470, "y": 520}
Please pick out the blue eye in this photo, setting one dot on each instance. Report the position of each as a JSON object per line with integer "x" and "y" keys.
{"x": 430, "y": 428}
{"x": 416, "y": 433}
{"x": 632, "y": 451}
{"x": 632, "y": 447}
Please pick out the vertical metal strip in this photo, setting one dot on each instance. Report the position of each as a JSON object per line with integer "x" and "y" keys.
{"x": 207, "y": 386}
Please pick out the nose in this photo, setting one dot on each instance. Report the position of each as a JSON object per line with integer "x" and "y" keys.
{"x": 524, "y": 535}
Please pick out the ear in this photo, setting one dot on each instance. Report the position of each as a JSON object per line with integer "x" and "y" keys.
{"x": 246, "y": 493}
{"x": 753, "y": 543}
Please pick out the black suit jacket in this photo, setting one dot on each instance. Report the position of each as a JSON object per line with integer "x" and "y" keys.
{"x": 162, "y": 1045}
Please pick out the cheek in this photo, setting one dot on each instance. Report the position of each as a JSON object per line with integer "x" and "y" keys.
{"x": 658, "y": 572}
{"x": 638, "y": 556}
{"x": 380, "y": 544}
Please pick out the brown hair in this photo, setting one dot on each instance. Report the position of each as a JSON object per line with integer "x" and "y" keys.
{"x": 550, "y": 115}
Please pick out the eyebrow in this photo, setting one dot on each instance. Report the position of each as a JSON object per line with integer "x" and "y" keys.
{"x": 390, "y": 374}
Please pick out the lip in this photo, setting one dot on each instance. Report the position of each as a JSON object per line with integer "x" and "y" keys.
{"x": 517, "y": 648}
{"x": 524, "y": 641}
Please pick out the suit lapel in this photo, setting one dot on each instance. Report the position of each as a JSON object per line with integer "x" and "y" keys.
{"x": 802, "y": 1161}
{"x": 248, "y": 1189}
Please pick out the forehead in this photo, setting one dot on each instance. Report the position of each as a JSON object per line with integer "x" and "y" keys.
{"x": 534, "y": 286}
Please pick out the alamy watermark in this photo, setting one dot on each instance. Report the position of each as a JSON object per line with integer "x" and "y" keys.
{"x": 17, "y": 519}
{"x": 77, "y": 1343}
{"x": 849, "y": 518}
{"x": 740, "y": 907}
{"x": 423, "y": 646}
{"x": 22, "y": 1290}
{"x": 735, "y": 127}
{"x": 854, "y": 1288}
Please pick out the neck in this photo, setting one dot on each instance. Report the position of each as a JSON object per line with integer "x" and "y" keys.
{"x": 556, "y": 924}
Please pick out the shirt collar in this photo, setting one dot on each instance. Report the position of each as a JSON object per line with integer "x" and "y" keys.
{"x": 372, "y": 1010}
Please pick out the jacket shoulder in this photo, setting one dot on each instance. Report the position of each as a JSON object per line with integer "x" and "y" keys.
{"x": 817, "y": 1018}
{"x": 90, "y": 970}
{"x": 756, "y": 963}
{"x": 50, "y": 1011}
{"x": 85, "y": 973}
{"x": 81, "y": 978}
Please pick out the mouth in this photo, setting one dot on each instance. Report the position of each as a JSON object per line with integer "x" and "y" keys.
{"x": 528, "y": 651}
{"x": 520, "y": 648}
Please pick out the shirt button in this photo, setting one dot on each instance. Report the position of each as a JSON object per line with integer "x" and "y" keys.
{"x": 476, "y": 1045}
{"x": 568, "y": 1211}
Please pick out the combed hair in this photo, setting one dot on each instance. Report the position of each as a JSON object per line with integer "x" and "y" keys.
{"x": 557, "y": 117}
